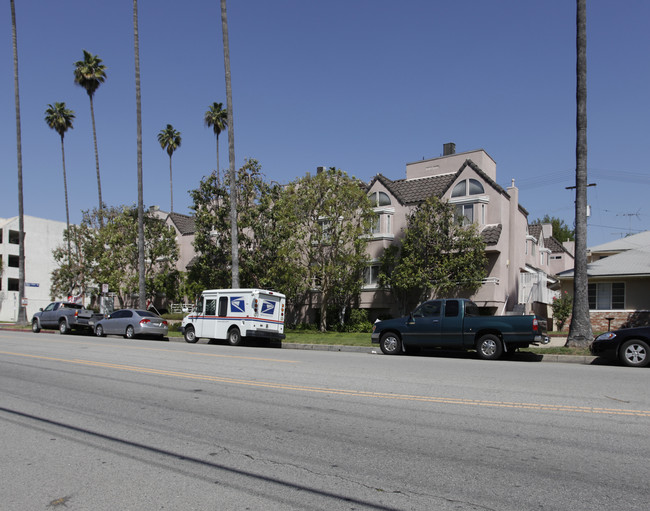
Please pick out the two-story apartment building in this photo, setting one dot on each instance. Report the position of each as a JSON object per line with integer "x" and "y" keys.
{"x": 521, "y": 258}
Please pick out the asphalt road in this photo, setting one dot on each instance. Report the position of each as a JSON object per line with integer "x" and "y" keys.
{"x": 106, "y": 424}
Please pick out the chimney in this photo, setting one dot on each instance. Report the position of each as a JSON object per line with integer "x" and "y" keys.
{"x": 448, "y": 148}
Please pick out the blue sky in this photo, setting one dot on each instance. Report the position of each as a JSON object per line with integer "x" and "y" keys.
{"x": 362, "y": 85}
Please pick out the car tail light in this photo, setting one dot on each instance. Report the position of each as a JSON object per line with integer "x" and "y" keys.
{"x": 145, "y": 321}
{"x": 164, "y": 322}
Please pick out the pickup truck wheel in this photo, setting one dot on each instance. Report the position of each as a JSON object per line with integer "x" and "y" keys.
{"x": 390, "y": 344}
{"x": 634, "y": 353}
{"x": 234, "y": 336}
{"x": 129, "y": 332}
{"x": 63, "y": 327}
{"x": 489, "y": 347}
{"x": 35, "y": 327}
{"x": 190, "y": 335}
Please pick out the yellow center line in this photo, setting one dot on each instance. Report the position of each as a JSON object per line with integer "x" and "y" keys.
{"x": 262, "y": 359}
{"x": 344, "y": 392}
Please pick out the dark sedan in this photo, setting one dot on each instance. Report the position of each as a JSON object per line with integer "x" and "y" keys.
{"x": 131, "y": 323}
{"x": 629, "y": 345}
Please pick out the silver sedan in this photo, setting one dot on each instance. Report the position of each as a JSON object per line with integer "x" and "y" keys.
{"x": 131, "y": 323}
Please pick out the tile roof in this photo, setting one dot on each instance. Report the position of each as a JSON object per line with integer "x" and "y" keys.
{"x": 491, "y": 234}
{"x": 413, "y": 191}
{"x": 184, "y": 223}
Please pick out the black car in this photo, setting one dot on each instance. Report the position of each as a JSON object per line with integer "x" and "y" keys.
{"x": 629, "y": 345}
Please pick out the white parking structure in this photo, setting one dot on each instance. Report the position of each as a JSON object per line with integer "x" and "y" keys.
{"x": 236, "y": 314}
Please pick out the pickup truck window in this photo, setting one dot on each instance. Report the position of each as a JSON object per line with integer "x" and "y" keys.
{"x": 451, "y": 309}
{"x": 471, "y": 309}
{"x": 49, "y": 307}
{"x": 428, "y": 309}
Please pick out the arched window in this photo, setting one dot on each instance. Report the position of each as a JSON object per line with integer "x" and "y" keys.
{"x": 380, "y": 199}
{"x": 467, "y": 187}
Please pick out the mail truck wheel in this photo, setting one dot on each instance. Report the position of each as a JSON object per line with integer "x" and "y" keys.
{"x": 489, "y": 347}
{"x": 190, "y": 335}
{"x": 390, "y": 344}
{"x": 234, "y": 336}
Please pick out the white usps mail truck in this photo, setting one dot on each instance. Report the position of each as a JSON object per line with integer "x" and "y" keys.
{"x": 235, "y": 314}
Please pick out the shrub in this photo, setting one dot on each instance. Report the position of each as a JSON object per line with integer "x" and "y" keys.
{"x": 358, "y": 322}
{"x": 562, "y": 308}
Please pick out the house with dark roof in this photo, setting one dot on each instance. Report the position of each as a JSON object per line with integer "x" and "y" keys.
{"x": 521, "y": 258}
{"x": 183, "y": 226}
{"x": 619, "y": 279}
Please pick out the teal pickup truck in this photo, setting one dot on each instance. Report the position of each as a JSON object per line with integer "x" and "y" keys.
{"x": 457, "y": 324}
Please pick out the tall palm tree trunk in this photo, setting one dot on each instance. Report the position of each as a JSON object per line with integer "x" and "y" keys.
{"x": 65, "y": 191}
{"x": 22, "y": 312}
{"x": 580, "y": 332}
{"x": 99, "y": 181}
{"x": 231, "y": 152}
{"x": 171, "y": 188}
{"x": 218, "y": 171}
{"x": 136, "y": 44}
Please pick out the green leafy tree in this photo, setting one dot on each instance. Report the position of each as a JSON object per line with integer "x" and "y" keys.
{"x": 255, "y": 216}
{"x": 90, "y": 73}
{"x": 74, "y": 269}
{"x": 561, "y": 231}
{"x": 322, "y": 224}
{"x": 106, "y": 254}
{"x": 216, "y": 117}
{"x": 170, "y": 140}
{"x": 438, "y": 256}
{"x": 59, "y": 118}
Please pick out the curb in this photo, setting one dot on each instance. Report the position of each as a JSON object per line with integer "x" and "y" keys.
{"x": 371, "y": 350}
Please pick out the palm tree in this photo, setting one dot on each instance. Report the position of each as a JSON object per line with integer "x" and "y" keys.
{"x": 90, "y": 73}
{"x": 234, "y": 241}
{"x": 142, "y": 288}
{"x": 170, "y": 139}
{"x": 22, "y": 312}
{"x": 217, "y": 119}
{"x": 59, "y": 118}
{"x": 580, "y": 332}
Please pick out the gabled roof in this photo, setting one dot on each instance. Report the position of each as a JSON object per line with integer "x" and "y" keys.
{"x": 184, "y": 223}
{"x": 639, "y": 240}
{"x": 536, "y": 231}
{"x": 631, "y": 263}
{"x": 414, "y": 191}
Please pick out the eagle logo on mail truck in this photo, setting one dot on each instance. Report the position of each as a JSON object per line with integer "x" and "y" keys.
{"x": 237, "y": 304}
{"x": 268, "y": 307}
